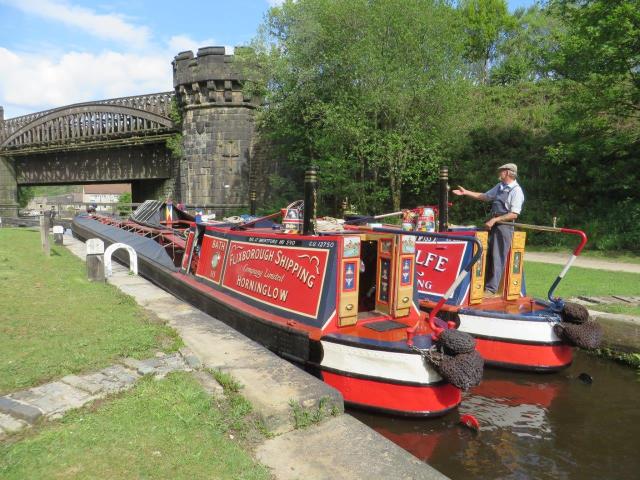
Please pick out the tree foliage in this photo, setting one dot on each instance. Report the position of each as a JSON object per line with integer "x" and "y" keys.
{"x": 380, "y": 93}
{"x": 363, "y": 89}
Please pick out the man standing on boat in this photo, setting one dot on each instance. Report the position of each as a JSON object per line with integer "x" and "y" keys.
{"x": 506, "y": 200}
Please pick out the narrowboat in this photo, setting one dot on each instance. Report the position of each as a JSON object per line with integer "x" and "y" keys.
{"x": 512, "y": 329}
{"x": 342, "y": 303}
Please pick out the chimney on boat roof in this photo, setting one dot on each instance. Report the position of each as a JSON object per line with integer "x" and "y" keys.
{"x": 443, "y": 200}
{"x": 310, "y": 195}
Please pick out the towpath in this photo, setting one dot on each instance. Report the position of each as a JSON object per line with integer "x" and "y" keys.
{"x": 561, "y": 259}
{"x": 342, "y": 446}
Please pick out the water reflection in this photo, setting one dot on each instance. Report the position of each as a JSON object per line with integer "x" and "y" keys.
{"x": 533, "y": 426}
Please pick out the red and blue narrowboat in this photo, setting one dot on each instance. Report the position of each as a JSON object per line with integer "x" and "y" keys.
{"x": 341, "y": 302}
{"x": 512, "y": 330}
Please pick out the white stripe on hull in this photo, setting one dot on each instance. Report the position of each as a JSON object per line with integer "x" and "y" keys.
{"x": 528, "y": 331}
{"x": 394, "y": 366}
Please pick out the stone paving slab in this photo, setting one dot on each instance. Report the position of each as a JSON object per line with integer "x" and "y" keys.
{"x": 145, "y": 293}
{"x": 168, "y": 308}
{"x": 19, "y": 410}
{"x": 208, "y": 383}
{"x": 620, "y": 332}
{"x": 368, "y": 455}
{"x": 126, "y": 279}
{"x": 83, "y": 383}
{"x": 627, "y": 299}
{"x": 10, "y": 424}
{"x": 54, "y": 398}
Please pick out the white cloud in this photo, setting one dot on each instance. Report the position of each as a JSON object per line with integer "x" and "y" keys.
{"x": 37, "y": 82}
{"x": 105, "y": 26}
{"x": 275, "y": 3}
{"x": 32, "y": 82}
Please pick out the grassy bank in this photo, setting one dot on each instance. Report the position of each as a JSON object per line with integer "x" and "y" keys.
{"x": 167, "y": 429}
{"x": 53, "y": 322}
{"x": 579, "y": 281}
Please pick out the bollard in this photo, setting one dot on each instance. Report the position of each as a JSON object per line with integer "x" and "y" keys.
{"x": 58, "y": 232}
{"x": 95, "y": 260}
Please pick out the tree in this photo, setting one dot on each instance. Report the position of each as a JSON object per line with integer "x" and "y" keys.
{"x": 598, "y": 149}
{"x": 485, "y": 23}
{"x": 365, "y": 89}
{"x": 124, "y": 204}
{"x": 523, "y": 54}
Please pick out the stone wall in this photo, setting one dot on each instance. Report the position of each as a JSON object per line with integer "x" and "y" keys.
{"x": 8, "y": 188}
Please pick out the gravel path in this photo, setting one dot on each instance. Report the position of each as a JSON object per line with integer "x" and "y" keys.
{"x": 561, "y": 259}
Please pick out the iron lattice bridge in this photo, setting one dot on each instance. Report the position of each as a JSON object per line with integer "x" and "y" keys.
{"x": 83, "y": 126}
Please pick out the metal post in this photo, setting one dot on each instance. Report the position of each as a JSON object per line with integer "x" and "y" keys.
{"x": 443, "y": 201}
{"x": 252, "y": 198}
{"x": 310, "y": 197}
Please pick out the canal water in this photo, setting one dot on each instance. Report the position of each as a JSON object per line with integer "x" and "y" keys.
{"x": 534, "y": 426}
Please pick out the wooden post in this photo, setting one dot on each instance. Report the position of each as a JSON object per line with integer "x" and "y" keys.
{"x": 44, "y": 235}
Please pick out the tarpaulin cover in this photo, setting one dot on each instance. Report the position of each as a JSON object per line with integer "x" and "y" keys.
{"x": 143, "y": 246}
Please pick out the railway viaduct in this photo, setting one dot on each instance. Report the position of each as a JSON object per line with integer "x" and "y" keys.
{"x": 126, "y": 140}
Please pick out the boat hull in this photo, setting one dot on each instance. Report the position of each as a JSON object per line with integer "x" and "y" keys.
{"x": 395, "y": 399}
{"x": 517, "y": 342}
{"x": 418, "y": 393}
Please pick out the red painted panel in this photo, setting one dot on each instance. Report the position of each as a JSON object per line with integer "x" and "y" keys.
{"x": 290, "y": 278}
{"x": 517, "y": 354}
{"x": 212, "y": 255}
{"x": 438, "y": 265}
{"x": 187, "y": 250}
{"x": 401, "y": 398}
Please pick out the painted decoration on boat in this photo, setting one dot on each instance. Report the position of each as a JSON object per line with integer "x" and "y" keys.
{"x": 437, "y": 266}
{"x": 186, "y": 257}
{"x": 385, "y": 264}
{"x": 408, "y": 244}
{"x": 349, "y": 276}
{"x": 351, "y": 247}
{"x": 212, "y": 258}
{"x": 290, "y": 278}
{"x": 406, "y": 276}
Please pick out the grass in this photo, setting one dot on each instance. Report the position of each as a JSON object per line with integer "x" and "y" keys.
{"x": 306, "y": 417}
{"x": 169, "y": 429}
{"x": 53, "y": 322}
{"x": 579, "y": 281}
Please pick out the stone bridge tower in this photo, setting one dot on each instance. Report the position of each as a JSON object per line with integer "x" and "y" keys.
{"x": 218, "y": 164}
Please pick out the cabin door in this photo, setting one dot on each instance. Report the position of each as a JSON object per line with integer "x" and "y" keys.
{"x": 385, "y": 275}
{"x": 368, "y": 276}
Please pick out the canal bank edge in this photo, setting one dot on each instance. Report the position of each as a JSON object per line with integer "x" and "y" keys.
{"x": 343, "y": 447}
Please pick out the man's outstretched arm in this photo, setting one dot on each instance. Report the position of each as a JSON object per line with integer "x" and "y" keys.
{"x": 461, "y": 191}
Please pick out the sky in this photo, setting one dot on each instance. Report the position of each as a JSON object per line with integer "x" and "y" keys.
{"x": 59, "y": 52}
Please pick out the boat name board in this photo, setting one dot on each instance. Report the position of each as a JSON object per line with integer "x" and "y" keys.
{"x": 284, "y": 276}
{"x": 438, "y": 265}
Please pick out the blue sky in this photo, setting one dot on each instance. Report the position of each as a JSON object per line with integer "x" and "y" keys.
{"x": 58, "y": 52}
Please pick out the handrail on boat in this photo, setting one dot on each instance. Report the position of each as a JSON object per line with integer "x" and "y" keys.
{"x": 576, "y": 251}
{"x": 452, "y": 288}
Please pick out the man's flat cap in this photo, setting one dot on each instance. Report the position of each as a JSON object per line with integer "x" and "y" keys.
{"x": 509, "y": 166}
